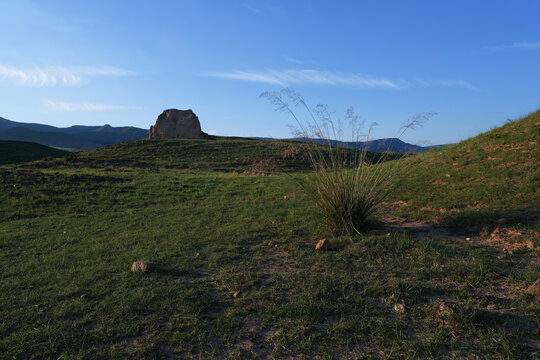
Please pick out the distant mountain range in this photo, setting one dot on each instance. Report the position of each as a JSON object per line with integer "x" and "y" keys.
{"x": 72, "y": 138}
{"x": 380, "y": 145}
{"x": 79, "y": 137}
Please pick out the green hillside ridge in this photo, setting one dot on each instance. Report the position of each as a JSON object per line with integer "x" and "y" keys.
{"x": 54, "y": 139}
{"x": 478, "y": 181}
{"x": 20, "y": 151}
{"x": 236, "y": 274}
{"x": 216, "y": 154}
{"x": 78, "y": 137}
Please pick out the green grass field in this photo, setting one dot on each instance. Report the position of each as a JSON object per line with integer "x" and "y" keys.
{"x": 237, "y": 276}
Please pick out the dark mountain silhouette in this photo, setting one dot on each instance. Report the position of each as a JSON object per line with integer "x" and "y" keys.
{"x": 53, "y": 139}
{"x": 75, "y": 138}
{"x": 380, "y": 145}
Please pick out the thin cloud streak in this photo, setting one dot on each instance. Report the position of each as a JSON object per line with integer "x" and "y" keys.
{"x": 292, "y": 60}
{"x": 61, "y": 106}
{"x": 308, "y": 76}
{"x": 517, "y": 45}
{"x": 446, "y": 83}
{"x": 457, "y": 83}
{"x": 252, "y": 8}
{"x": 57, "y": 75}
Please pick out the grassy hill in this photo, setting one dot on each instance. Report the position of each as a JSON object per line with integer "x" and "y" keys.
{"x": 60, "y": 140}
{"x": 473, "y": 184}
{"x": 236, "y": 272}
{"x": 76, "y": 137}
{"x": 379, "y": 145}
{"x": 227, "y": 154}
{"x": 19, "y": 151}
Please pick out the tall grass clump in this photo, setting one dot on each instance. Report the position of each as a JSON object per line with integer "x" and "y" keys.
{"x": 349, "y": 183}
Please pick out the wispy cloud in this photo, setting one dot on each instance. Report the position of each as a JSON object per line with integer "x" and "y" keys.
{"x": 517, "y": 45}
{"x": 308, "y": 76}
{"x": 446, "y": 83}
{"x": 292, "y": 60}
{"x": 70, "y": 107}
{"x": 456, "y": 83}
{"x": 252, "y": 8}
{"x": 57, "y": 75}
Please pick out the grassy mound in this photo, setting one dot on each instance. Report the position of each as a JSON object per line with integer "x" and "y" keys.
{"x": 216, "y": 154}
{"x": 21, "y": 151}
{"x": 471, "y": 185}
{"x": 236, "y": 274}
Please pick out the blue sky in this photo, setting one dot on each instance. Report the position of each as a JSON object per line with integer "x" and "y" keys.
{"x": 474, "y": 63}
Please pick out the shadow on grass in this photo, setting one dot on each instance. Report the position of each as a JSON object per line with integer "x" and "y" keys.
{"x": 468, "y": 221}
{"x": 170, "y": 271}
{"x": 493, "y": 319}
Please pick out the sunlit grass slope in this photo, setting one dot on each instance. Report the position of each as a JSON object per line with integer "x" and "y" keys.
{"x": 473, "y": 184}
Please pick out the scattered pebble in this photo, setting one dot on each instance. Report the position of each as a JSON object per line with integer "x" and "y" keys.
{"x": 323, "y": 244}
{"x": 443, "y": 307}
{"x": 534, "y": 289}
{"x": 142, "y": 266}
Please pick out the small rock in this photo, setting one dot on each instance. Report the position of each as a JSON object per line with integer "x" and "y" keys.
{"x": 443, "y": 307}
{"x": 142, "y": 266}
{"x": 323, "y": 244}
{"x": 534, "y": 289}
{"x": 468, "y": 239}
{"x": 399, "y": 308}
{"x": 501, "y": 221}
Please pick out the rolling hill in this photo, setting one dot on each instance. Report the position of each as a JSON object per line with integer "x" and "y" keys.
{"x": 53, "y": 139}
{"x": 75, "y": 138}
{"x": 472, "y": 184}
{"x": 80, "y": 137}
{"x": 380, "y": 145}
{"x": 20, "y": 151}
